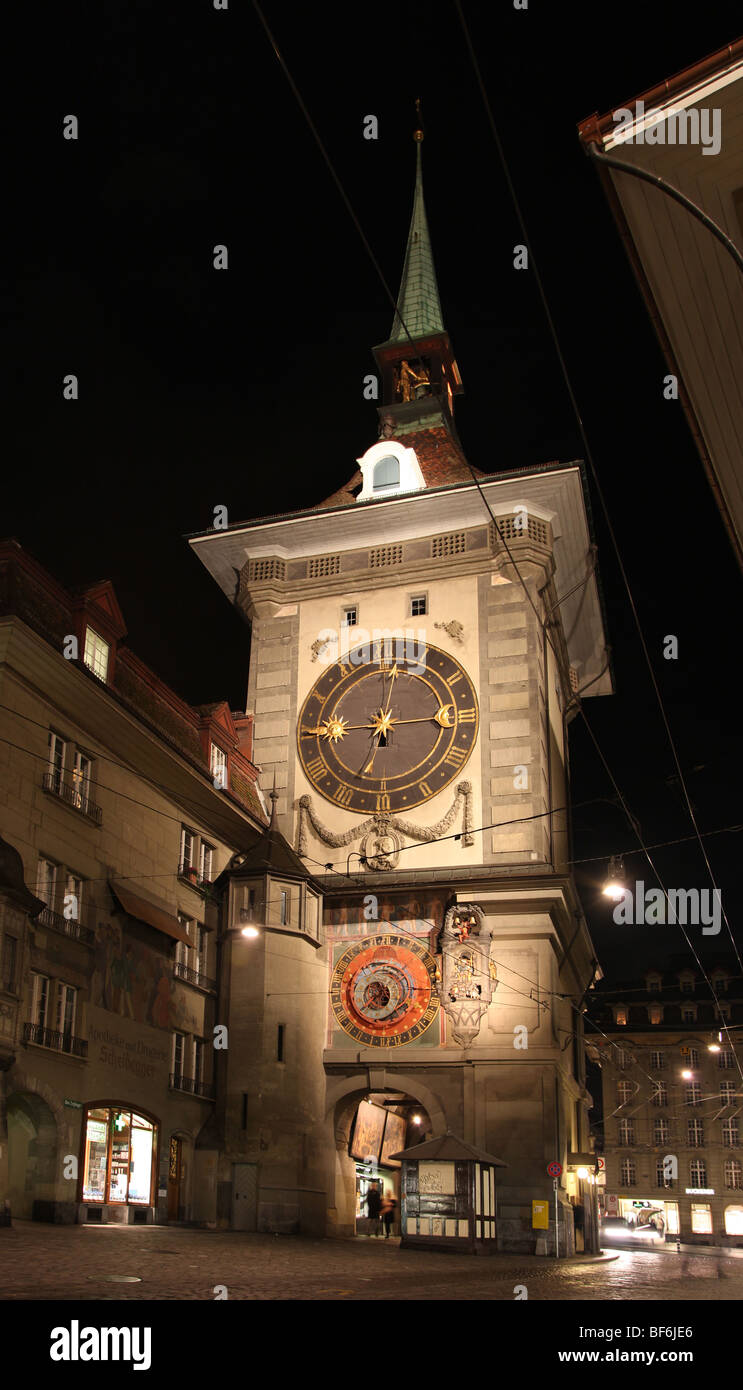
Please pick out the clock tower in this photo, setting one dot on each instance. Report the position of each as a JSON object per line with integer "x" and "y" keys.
{"x": 420, "y": 640}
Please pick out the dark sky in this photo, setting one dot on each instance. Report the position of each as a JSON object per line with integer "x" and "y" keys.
{"x": 244, "y": 387}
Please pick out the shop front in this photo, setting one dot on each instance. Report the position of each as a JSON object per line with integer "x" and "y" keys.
{"x": 118, "y": 1165}
{"x": 377, "y": 1132}
{"x": 650, "y": 1213}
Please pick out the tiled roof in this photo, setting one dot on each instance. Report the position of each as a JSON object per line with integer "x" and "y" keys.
{"x": 440, "y": 457}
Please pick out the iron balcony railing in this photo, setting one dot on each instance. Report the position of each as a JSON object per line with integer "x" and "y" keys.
{"x": 58, "y": 1042}
{"x": 72, "y": 796}
{"x": 205, "y": 1089}
{"x": 69, "y": 926}
{"x": 193, "y": 977}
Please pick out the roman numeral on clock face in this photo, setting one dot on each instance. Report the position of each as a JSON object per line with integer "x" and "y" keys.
{"x": 343, "y": 795}
{"x": 424, "y": 789}
{"x": 453, "y": 679}
{"x": 455, "y": 757}
{"x": 316, "y": 768}
{"x": 466, "y": 716}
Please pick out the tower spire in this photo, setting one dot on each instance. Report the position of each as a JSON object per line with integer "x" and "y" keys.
{"x": 418, "y": 304}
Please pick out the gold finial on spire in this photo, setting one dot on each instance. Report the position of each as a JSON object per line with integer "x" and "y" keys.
{"x": 418, "y": 132}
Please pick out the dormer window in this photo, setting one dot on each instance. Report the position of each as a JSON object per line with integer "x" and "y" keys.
{"x": 96, "y": 654}
{"x": 653, "y": 984}
{"x": 386, "y": 473}
{"x": 218, "y": 765}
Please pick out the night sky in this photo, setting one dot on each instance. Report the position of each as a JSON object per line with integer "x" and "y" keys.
{"x": 244, "y": 387}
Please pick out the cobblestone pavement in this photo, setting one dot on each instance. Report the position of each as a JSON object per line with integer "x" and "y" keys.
{"x": 70, "y": 1262}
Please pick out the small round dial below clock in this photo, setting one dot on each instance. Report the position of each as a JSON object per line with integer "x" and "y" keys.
{"x": 378, "y": 733}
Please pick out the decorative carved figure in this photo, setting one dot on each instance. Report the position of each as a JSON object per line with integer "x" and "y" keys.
{"x": 469, "y": 975}
{"x": 454, "y": 629}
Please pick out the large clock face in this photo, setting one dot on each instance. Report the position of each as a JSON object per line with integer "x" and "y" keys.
{"x": 383, "y": 991}
{"x": 386, "y": 734}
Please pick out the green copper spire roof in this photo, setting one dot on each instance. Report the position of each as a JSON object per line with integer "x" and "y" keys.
{"x": 418, "y": 300}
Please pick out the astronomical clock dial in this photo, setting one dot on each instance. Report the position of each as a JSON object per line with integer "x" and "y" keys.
{"x": 386, "y": 735}
{"x": 383, "y": 991}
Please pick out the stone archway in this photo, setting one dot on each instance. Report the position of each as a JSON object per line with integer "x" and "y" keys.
{"x": 33, "y": 1149}
{"x": 343, "y": 1097}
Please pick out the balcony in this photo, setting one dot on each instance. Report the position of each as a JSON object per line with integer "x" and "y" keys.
{"x": 73, "y": 797}
{"x": 203, "y": 1089}
{"x": 56, "y": 1042}
{"x": 68, "y": 926}
{"x": 194, "y": 977}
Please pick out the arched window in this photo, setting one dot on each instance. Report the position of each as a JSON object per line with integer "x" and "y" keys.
{"x": 386, "y": 473}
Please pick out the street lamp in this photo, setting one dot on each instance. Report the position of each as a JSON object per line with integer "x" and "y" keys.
{"x": 615, "y": 886}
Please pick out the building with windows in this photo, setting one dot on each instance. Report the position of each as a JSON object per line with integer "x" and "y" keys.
{"x": 119, "y": 807}
{"x": 672, "y": 1094}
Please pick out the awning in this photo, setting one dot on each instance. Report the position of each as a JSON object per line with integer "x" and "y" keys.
{"x": 150, "y": 913}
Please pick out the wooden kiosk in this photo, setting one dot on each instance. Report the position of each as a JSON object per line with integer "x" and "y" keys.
{"x": 448, "y": 1197}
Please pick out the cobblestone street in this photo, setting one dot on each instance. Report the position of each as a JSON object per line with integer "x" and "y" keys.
{"x": 76, "y": 1262}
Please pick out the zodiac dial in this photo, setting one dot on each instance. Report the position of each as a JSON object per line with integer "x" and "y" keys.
{"x": 382, "y": 734}
{"x": 383, "y": 991}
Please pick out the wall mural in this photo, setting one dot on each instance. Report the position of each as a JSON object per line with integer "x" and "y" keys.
{"x": 135, "y": 982}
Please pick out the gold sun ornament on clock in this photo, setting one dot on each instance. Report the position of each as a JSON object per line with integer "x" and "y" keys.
{"x": 378, "y": 735}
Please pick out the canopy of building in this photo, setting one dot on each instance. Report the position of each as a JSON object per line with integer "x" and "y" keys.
{"x": 151, "y": 913}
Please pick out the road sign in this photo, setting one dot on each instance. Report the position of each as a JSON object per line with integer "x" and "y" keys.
{"x": 554, "y": 1170}
{"x": 601, "y": 1163}
{"x": 611, "y": 1204}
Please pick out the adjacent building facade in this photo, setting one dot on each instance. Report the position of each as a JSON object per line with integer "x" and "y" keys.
{"x": 672, "y": 1089}
{"x": 119, "y": 807}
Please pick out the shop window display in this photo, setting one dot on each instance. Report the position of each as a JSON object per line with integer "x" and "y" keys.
{"x": 119, "y": 1153}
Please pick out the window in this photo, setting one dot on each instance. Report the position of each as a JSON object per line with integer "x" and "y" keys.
{"x": 181, "y": 950}
{"x": 727, "y": 1092}
{"x": 280, "y": 1042}
{"x": 723, "y": 1011}
{"x": 620, "y": 1015}
{"x": 200, "y": 949}
{"x": 41, "y": 984}
{"x": 734, "y": 1220}
{"x": 697, "y": 1173}
{"x": 696, "y": 1134}
{"x": 658, "y": 1061}
{"x": 186, "y": 852}
{"x": 206, "y": 857}
{"x": 96, "y": 654}
{"x": 622, "y": 1058}
{"x": 73, "y": 898}
{"x": 179, "y": 1053}
{"x": 726, "y": 1060}
{"x": 733, "y": 1173}
{"x": 118, "y": 1162}
{"x": 283, "y": 906}
{"x": 418, "y": 606}
{"x": 687, "y": 984}
{"x": 81, "y": 767}
{"x": 655, "y": 1013}
{"x": 65, "y": 1017}
{"x": 46, "y": 882}
{"x": 9, "y": 963}
{"x": 57, "y": 747}
{"x": 689, "y": 1013}
{"x": 693, "y": 1093}
{"x": 386, "y": 473}
{"x": 660, "y": 1178}
{"x": 350, "y": 616}
{"x": 653, "y": 984}
{"x": 625, "y": 1090}
{"x": 218, "y": 765}
{"x": 660, "y": 1094}
{"x": 198, "y": 1060}
{"x": 730, "y": 1133}
{"x": 660, "y": 1131}
{"x": 626, "y": 1132}
{"x": 692, "y": 1057}
{"x": 720, "y": 983}
{"x": 701, "y": 1216}
{"x": 628, "y": 1172}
